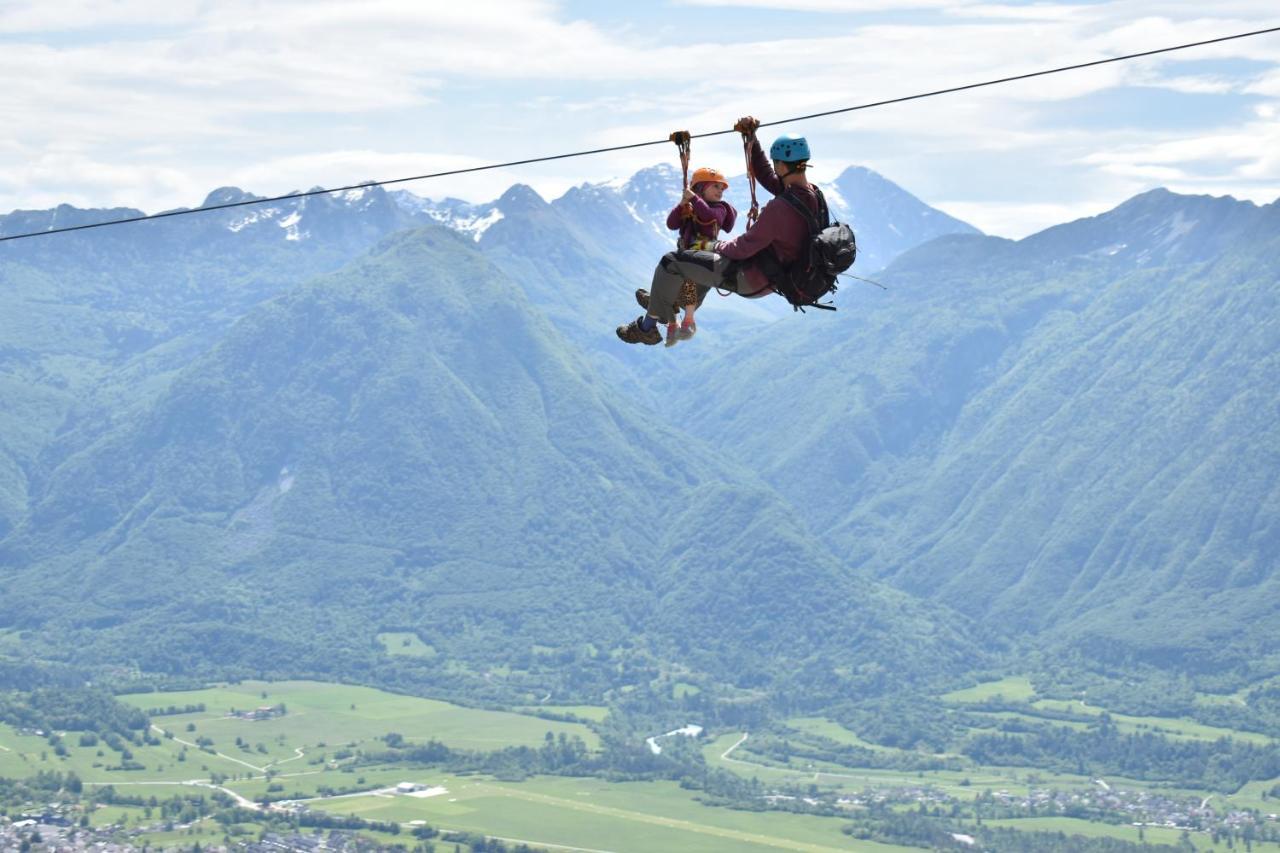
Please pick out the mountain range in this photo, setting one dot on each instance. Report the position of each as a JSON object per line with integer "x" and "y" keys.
{"x": 299, "y": 426}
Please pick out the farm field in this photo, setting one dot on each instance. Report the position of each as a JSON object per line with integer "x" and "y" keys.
{"x": 26, "y": 755}
{"x": 1017, "y": 689}
{"x": 833, "y": 731}
{"x": 1013, "y": 689}
{"x": 595, "y": 713}
{"x": 407, "y": 644}
{"x": 962, "y": 784}
{"x": 1174, "y": 727}
{"x": 1124, "y": 832}
{"x": 958, "y": 783}
{"x": 592, "y": 813}
{"x": 298, "y": 746}
{"x": 323, "y": 718}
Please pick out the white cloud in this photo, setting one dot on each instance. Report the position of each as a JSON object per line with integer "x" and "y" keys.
{"x": 179, "y": 96}
{"x": 1251, "y": 153}
{"x": 1268, "y": 84}
{"x": 59, "y": 177}
{"x": 35, "y": 16}
{"x": 826, "y": 5}
{"x": 1031, "y": 12}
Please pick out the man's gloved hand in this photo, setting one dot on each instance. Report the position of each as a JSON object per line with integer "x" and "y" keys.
{"x": 748, "y": 125}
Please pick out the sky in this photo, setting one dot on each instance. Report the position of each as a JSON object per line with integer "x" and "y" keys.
{"x": 151, "y": 104}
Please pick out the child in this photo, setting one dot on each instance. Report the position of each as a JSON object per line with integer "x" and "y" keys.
{"x": 699, "y": 217}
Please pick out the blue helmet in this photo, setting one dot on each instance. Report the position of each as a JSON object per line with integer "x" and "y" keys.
{"x": 789, "y": 148}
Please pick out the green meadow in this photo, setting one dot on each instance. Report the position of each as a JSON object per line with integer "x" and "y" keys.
{"x": 406, "y": 643}
{"x": 1124, "y": 832}
{"x": 324, "y": 719}
{"x": 1019, "y": 689}
{"x": 958, "y": 783}
{"x": 595, "y": 814}
{"x": 1012, "y": 689}
{"x": 833, "y": 731}
{"x": 26, "y": 755}
{"x": 594, "y": 713}
{"x": 304, "y": 748}
{"x": 1174, "y": 727}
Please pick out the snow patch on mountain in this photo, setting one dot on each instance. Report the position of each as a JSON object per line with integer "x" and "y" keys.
{"x": 258, "y": 215}
{"x": 476, "y": 226}
{"x": 290, "y": 226}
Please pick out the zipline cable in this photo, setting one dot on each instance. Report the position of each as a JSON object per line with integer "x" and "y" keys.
{"x": 634, "y": 145}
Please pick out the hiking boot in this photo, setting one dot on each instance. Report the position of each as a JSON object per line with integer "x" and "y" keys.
{"x": 633, "y": 334}
{"x": 673, "y": 335}
{"x": 687, "y": 331}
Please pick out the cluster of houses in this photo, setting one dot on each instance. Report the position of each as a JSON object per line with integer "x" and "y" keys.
{"x": 53, "y": 830}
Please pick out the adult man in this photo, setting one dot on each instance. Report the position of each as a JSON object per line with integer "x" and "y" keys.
{"x": 745, "y": 264}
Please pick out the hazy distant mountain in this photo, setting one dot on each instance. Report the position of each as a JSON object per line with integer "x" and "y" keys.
{"x": 409, "y": 444}
{"x": 1074, "y": 433}
{"x": 887, "y": 219}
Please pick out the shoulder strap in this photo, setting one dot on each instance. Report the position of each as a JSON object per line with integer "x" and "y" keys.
{"x": 824, "y": 213}
{"x": 815, "y": 223}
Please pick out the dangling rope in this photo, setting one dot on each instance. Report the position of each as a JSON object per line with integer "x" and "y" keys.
{"x": 754, "y": 213}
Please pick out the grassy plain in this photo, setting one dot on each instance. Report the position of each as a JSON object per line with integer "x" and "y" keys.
{"x": 1174, "y": 727}
{"x": 833, "y": 731}
{"x": 595, "y": 814}
{"x": 1124, "y": 832}
{"x": 26, "y": 755}
{"x": 957, "y": 783}
{"x": 325, "y": 718}
{"x": 1015, "y": 688}
{"x": 1018, "y": 689}
{"x": 594, "y": 713}
{"x": 406, "y": 643}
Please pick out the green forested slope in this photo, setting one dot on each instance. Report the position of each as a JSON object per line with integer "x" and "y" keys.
{"x": 1075, "y": 434}
{"x": 408, "y": 444}
{"x": 94, "y": 323}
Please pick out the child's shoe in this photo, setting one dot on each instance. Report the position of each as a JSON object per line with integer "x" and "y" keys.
{"x": 687, "y": 331}
{"x": 673, "y": 335}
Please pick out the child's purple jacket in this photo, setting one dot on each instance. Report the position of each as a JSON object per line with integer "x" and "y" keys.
{"x": 707, "y": 222}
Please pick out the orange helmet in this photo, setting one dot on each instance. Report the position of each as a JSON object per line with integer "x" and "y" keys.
{"x": 704, "y": 175}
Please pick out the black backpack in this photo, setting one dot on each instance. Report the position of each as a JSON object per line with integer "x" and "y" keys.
{"x": 830, "y": 251}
